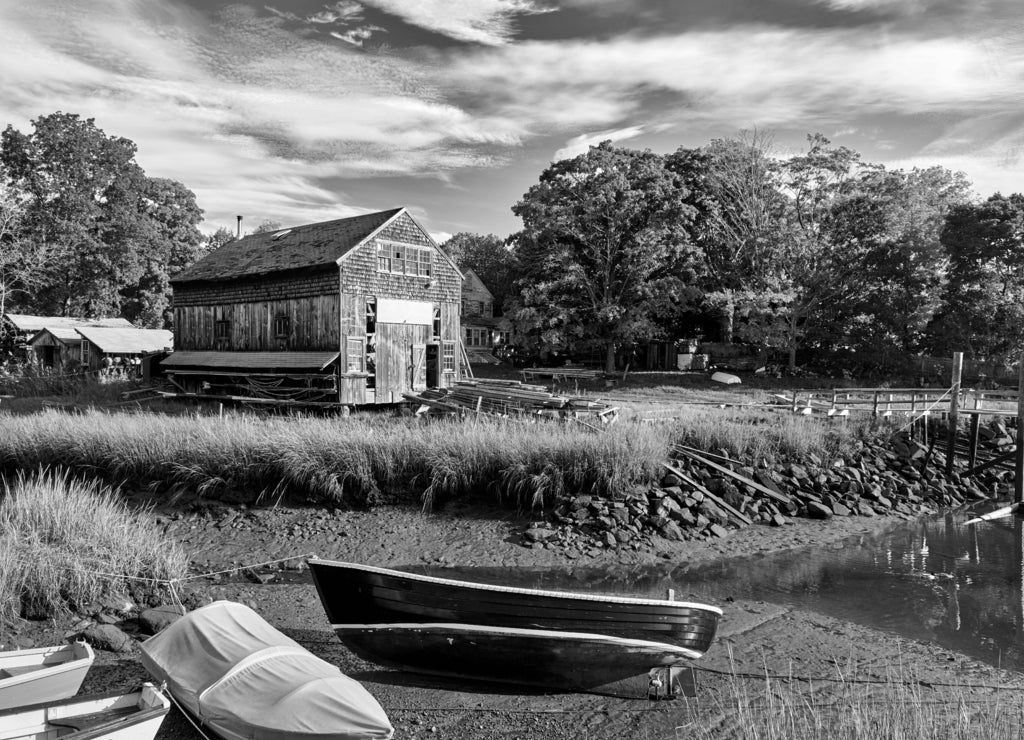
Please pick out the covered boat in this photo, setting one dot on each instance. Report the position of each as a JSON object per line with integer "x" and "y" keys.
{"x": 554, "y": 639}
{"x": 116, "y": 715}
{"x": 243, "y": 679}
{"x": 43, "y": 674}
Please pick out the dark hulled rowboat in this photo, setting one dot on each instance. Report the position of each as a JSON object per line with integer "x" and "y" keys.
{"x": 518, "y": 635}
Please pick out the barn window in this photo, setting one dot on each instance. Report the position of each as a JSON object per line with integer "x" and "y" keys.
{"x": 404, "y": 259}
{"x": 437, "y": 322}
{"x": 282, "y": 327}
{"x": 448, "y": 357}
{"x": 371, "y": 315}
{"x": 85, "y": 351}
{"x": 354, "y": 355}
{"x": 222, "y": 329}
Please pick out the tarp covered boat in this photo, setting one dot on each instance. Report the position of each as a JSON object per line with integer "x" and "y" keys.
{"x": 245, "y": 680}
{"x": 38, "y": 675}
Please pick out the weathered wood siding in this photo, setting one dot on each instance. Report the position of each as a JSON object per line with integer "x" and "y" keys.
{"x": 360, "y": 279}
{"x": 310, "y": 302}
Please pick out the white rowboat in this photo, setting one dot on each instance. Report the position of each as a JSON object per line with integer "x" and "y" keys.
{"x": 118, "y": 715}
{"x": 45, "y": 674}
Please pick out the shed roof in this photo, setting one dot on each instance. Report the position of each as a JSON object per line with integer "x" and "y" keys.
{"x": 31, "y": 323}
{"x": 127, "y": 341}
{"x": 268, "y": 361}
{"x": 300, "y": 247}
{"x": 65, "y": 334}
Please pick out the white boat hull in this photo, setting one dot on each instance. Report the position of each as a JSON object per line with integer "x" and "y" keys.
{"x": 132, "y": 715}
{"x": 40, "y": 675}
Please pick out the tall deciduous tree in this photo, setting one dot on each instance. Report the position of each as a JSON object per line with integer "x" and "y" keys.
{"x": 489, "y": 257}
{"x": 983, "y": 307}
{"x": 93, "y": 210}
{"x": 22, "y": 265}
{"x": 603, "y": 247}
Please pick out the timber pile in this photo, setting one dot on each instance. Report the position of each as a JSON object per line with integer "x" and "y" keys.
{"x": 704, "y": 496}
{"x": 508, "y": 398}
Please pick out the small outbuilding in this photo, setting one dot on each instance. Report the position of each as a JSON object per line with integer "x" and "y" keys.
{"x": 49, "y": 341}
{"x": 111, "y": 347}
{"x": 353, "y": 311}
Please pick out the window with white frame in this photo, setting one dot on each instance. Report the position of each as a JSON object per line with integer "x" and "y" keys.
{"x": 404, "y": 259}
{"x": 448, "y": 357}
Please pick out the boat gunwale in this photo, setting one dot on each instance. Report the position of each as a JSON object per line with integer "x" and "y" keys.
{"x": 516, "y": 589}
{"x": 631, "y": 642}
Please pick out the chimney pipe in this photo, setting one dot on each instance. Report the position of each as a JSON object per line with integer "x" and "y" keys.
{"x": 239, "y": 229}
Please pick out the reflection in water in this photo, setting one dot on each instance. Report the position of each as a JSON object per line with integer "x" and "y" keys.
{"x": 933, "y": 580}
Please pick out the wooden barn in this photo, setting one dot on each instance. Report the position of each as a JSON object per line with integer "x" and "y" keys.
{"x": 49, "y": 341}
{"x": 353, "y": 311}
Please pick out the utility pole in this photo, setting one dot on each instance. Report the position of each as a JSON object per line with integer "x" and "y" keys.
{"x": 1018, "y": 467}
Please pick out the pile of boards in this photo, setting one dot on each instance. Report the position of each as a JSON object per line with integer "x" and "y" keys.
{"x": 509, "y": 398}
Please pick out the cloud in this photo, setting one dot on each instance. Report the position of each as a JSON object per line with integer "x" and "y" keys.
{"x": 581, "y": 144}
{"x": 487, "y": 22}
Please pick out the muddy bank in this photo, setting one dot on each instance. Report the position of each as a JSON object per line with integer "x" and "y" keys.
{"x": 755, "y": 636}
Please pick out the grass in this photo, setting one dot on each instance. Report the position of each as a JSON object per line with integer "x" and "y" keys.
{"x": 67, "y": 542}
{"x": 361, "y": 460}
{"x": 899, "y": 705}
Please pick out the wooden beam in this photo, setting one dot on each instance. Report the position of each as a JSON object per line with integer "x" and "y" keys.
{"x": 954, "y": 411}
{"x": 781, "y": 498}
{"x": 715, "y": 499}
{"x": 990, "y": 464}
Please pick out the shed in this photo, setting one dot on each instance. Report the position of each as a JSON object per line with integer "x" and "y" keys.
{"x": 54, "y": 349}
{"x": 118, "y": 343}
{"x": 57, "y": 347}
{"x": 354, "y": 311}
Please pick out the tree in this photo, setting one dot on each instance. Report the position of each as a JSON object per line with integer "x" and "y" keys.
{"x": 490, "y": 257}
{"x": 267, "y": 226}
{"x": 604, "y": 248}
{"x": 22, "y": 266}
{"x": 983, "y": 304}
{"x": 91, "y": 208}
{"x": 736, "y": 192}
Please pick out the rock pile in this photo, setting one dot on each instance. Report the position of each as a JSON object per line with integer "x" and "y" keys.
{"x": 704, "y": 497}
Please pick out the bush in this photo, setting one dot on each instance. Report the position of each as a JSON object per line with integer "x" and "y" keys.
{"x": 66, "y": 542}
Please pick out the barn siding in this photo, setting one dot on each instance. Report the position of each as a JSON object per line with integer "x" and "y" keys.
{"x": 360, "y": 279}
{"x": 314, "y": 325}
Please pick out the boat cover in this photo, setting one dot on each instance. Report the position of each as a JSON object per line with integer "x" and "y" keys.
{"x": 244, "y": 679}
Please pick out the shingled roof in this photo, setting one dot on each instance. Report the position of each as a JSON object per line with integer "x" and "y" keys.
{"x": 297, "y": 248}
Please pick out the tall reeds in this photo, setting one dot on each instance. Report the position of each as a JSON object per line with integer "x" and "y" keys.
{"x": 66, "y": 542}
{"x": 359, "y": 460}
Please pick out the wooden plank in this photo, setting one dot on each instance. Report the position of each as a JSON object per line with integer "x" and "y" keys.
{"x": 999, "y": 460}
{"x": 735, "y": 513}
{"x": 733, "y": 474}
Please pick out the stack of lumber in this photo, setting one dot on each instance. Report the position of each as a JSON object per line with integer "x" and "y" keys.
{"x": 508, "y": 398}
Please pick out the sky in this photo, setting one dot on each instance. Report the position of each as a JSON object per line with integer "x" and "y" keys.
{"x": 299, "y": 111}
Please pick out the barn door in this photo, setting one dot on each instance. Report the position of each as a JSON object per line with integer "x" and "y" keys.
{"x": 419, "y": 367}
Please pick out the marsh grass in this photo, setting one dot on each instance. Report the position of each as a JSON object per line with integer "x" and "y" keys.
{"x": 359, "y": 460}
{"x": 850, "y": 707}
{"x": 754, "y": 434}
{"x": 67, "y": 542}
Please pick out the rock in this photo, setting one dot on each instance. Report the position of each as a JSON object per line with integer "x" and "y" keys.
{"x": 108, "y": 637}
{"x": 799, "y": 472}
{"x": 154, "y": 620}
{"x": 539, "y": 534}
{"x": 672, "y": 531}
{"x": 840, "y": 510}
{"x": 718, "y": 530}
{"x": 778, "y": 520}
{"x": 670, "y": 480}
{"x": 609, "y": 540}
{"x": 816, "y": 510}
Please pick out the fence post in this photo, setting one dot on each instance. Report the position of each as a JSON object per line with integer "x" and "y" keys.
{"x": 954, "y": 411}
{"x": 1018, "y": 468}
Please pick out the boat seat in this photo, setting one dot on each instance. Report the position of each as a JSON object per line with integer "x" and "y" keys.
{"x": 18, "y": 670}
{"x": 89, "y": 721}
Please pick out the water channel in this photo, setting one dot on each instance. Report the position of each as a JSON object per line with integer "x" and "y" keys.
{"x": 935, "y": 580}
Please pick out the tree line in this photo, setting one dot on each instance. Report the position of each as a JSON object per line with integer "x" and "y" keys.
{"x": 818, "y": 256}
{"x": 815, "y": 255}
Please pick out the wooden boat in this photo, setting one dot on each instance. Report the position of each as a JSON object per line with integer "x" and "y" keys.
{"x": 117, "y": 715}
{"x": 242, "y": 679}
{"x": 553, "y": 639}
{"x": 44, "y": 674}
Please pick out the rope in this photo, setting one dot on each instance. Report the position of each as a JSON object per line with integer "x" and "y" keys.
{"x": 924, "y": 411}
{"x": 188, "y": 715}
